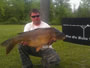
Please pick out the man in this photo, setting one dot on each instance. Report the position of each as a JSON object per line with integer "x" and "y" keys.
{"x": 48, "y": 54}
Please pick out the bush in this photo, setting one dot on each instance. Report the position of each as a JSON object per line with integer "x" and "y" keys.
{"x": 12, "y": 20}
{"x": 55, "y": 22}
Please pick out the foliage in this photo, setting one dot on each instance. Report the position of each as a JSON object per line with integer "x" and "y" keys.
{"x": 35, "y": 4}
{"x": 17, "y": 11}
{"x": 14, "y": 10}
{"x": 84, "y": 9}
{"x": 59, "y": 10}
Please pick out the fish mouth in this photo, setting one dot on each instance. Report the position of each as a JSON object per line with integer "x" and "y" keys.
{"x": 63, "y": 38}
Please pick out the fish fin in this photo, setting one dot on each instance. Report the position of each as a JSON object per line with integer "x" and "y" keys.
{"x": 38, "y": 48}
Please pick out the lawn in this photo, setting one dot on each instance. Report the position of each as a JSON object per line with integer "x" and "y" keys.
{"x": 72, "y": 55}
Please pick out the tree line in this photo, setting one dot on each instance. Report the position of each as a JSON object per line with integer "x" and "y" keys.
{"x": 17, "y": 11}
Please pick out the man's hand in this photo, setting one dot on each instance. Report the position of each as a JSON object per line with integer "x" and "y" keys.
{"x": 24, "y": 43}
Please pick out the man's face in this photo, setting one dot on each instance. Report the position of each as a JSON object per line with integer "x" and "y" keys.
{"x": 35, "y": 17}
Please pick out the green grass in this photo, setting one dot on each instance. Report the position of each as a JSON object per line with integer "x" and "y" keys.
{"x": 72, "y": 55}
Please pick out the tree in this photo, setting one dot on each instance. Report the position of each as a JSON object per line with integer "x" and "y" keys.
{"x": 35, "y": 4}
{"x": 2, "y": 9}
{"x": 84, "y": 9}
{"x": 60, "y": 9}
{"x": 44, "y": 10}
{"x": 14, "y": 11}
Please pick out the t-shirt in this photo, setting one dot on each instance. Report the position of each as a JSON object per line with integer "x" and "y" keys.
{"x": 31, "y": 26}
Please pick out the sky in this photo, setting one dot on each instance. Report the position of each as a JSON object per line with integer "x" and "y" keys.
{"x": 74, "y": 3}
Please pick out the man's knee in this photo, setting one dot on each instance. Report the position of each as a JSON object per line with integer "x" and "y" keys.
{"x": 54, "y": 59}
{"x": 51, "y": 62}
{"x": 50, "y": 58}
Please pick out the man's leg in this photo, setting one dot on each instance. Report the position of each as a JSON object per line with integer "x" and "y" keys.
{"x": 50, "y": 58}
{"x": 25, "y": 51}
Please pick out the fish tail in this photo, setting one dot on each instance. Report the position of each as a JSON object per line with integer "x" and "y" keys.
{"x": 6, "y": 42}
{"x": 10, "y": 47}
{"x": 10, "y": 43}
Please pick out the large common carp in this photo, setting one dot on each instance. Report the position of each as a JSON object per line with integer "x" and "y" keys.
{"x": 35, "y": 38}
